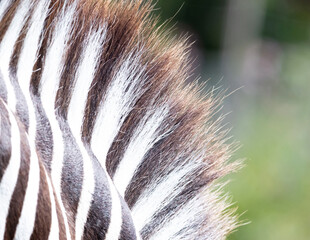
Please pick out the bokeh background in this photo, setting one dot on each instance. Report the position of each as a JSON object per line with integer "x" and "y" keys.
{"x": 261, "y": 48}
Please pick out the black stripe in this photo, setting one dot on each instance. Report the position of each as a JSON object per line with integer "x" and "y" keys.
{"x": 190, "y": 188}
{"x": 122, "y": 139}
{"x": 145, "y": 174}
{"x": 7, "y": 18}
{"x": 167, "y": 154}
{"x": 20, "y": 189}
{"x": 21, "y": 104}
{"x": 61, "y": 220}
{"x": 128, "y": 229}
{"x": 46, "y": 36}
{"x": 43, "y": 218}
{"x": 72, "y": 61}
{"x": 72, "y": 171}
{"x": 5, "y": 139}
{"x": 121, "y": 30}
{"x": 3, "y": 90}
{"x": 44, "y": 136}
{"x": 99, "y": 213}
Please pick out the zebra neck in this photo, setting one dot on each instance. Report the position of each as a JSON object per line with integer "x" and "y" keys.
{"x": 103, "y": 130}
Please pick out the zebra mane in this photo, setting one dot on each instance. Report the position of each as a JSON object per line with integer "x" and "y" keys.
{"x": 105, "y": 132}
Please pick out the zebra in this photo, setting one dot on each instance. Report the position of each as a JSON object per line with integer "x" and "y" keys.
{"x": 100, "y": 136}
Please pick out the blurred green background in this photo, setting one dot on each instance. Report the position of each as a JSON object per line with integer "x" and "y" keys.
{"x": 262, "y": 46}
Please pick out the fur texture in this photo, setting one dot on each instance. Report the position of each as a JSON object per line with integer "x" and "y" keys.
{"x": 113, "y": 143}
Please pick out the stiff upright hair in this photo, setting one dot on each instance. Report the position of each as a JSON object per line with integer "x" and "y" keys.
{"x": 100, "y": 136}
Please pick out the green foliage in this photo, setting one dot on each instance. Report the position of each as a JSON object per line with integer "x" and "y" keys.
{"x": 287, "y": 21}
{"x": 273, "y": 189}
{"x": 202, "y": 17}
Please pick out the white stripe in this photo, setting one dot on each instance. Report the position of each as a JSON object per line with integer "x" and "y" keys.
{"x": 121, "y": 95}
{"x": 188, "y": 214}
{"x": 27, "y": 218}
{"x": 144, "y": 137}
{"x": 49, "y": 86}
{"x": 26, "y": 62}
{"x": 10, "y": 176}
{"x": 85, "y": 74}
{"x": 31, "y": 45}
{"x": 75, "y": 117}
{"x": 84, "y": 78}
{"x": 4, "y": 4}
{"x": 87, "y": 192}
{"x": 115, "y": 225}
{"x": 204, "y": 206}
{"x": 159, "y": 195}
{"x": 7, "y": 48}
{"x": 54, "y": 230}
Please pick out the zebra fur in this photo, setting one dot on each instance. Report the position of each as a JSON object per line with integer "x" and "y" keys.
{"x": 100, "y": 136}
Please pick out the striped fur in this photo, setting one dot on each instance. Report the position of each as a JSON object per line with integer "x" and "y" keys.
{"x": 100, "y": 136}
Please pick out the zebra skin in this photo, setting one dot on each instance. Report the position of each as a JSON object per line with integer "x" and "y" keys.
{"x": 100, "y": 137}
